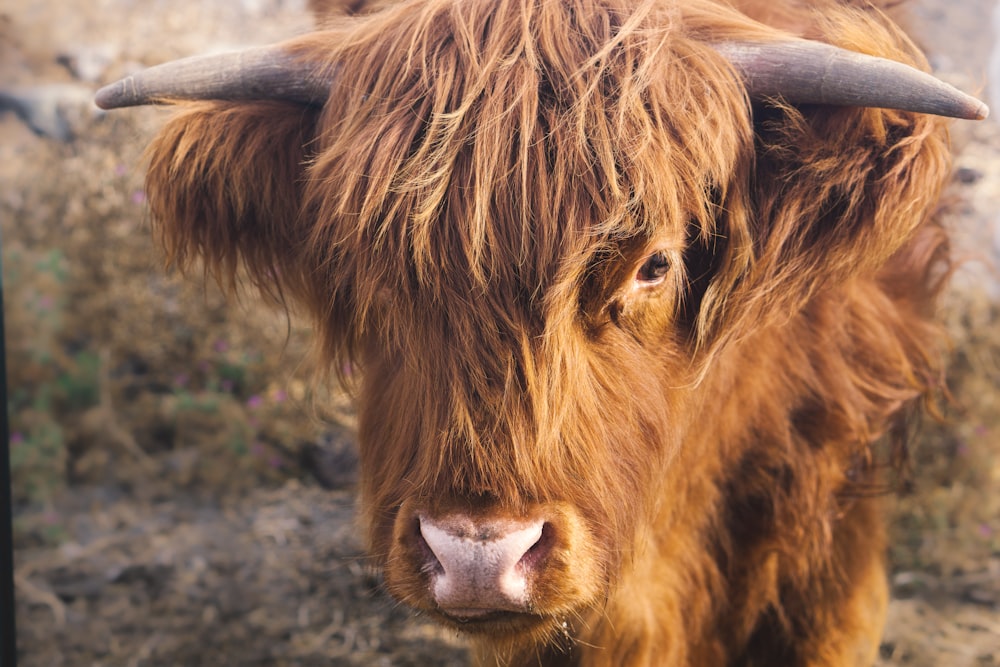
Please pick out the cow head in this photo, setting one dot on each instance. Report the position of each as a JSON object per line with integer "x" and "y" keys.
{"x": 531, "y": 229}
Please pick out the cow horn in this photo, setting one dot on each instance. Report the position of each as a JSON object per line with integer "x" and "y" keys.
{"x": 265, "y": 72}
{"x": 805, "y": 72}
{"x": 799, "y": 71}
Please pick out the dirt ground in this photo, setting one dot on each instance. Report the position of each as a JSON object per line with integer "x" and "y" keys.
{"x": 180, "y": 499}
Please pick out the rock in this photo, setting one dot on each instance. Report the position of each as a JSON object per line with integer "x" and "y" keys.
{"x": 967, "y": 175}
{"x": 89, "y": 63}
{"x": 50, "y": 110}
{"x": 333, "y": 461}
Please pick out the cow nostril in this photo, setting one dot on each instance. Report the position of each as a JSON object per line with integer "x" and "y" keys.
{"x": 539, "y": 551}
{"x": 430, "y": 561}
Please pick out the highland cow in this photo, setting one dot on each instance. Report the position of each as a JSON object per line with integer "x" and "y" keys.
{"x": 632, "y": 290}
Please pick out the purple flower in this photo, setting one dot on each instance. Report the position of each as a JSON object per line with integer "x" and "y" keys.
{"x": 16, "y": 438}
{"x": 254, "y": 402}
{"x": 138, "y": 197}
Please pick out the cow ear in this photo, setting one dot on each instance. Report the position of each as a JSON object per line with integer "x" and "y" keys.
{"x": 224, "y": 182}
{"x": 830, "y": 195}
{"x": 838, "y": 191}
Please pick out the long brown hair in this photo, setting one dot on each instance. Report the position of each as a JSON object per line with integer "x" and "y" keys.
{"x": 462, "y": 221}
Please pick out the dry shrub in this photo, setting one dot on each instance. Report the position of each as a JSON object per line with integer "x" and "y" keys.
{"x": 121, "y": 372}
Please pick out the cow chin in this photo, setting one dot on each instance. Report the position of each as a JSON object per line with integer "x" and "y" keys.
{"x": 494, "y": 573}
{"x": 504, "y": 625}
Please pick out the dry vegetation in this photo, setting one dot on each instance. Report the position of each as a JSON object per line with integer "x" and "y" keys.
{"x": 180, "y": 500}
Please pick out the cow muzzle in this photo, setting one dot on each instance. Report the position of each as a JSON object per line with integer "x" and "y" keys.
{"x": 479, "y": 567}
{"x": 486, "y": 570}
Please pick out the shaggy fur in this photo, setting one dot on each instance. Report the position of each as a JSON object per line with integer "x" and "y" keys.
{"x": 464, "y": 222}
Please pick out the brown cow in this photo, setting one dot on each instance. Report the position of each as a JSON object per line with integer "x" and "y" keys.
{"x": 630, "y": 287}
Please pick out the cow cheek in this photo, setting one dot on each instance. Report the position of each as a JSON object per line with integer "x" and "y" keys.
{"x": 387, "y": 440}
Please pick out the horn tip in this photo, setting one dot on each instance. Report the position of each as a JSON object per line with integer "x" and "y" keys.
{"x": 970, "y": 108}
{"x": 111, "y": 96}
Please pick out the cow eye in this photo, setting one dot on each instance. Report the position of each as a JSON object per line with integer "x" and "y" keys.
{"x": 653, "y": 269}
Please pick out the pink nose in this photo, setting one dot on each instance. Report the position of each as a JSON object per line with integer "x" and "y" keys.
{"x": 482, "y": 566}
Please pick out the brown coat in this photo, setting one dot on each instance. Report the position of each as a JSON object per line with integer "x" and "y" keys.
{"x": 583, "y": 282}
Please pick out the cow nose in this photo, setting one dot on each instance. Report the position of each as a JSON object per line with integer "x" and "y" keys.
{"x": 478, "y": 567}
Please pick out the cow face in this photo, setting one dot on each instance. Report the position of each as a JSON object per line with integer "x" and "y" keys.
{"x": 498, "y": 234}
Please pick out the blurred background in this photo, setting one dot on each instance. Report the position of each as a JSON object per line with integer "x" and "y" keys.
{"x": 180, "y": 499}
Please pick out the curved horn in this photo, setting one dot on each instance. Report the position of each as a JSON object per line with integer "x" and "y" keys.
{"x": 266, "y": 72}
{"x": 800, "y": 71}
{"x": 805, "y": 72}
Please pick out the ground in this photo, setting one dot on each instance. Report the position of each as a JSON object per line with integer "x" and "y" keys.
{"x": 183, "y": 495}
